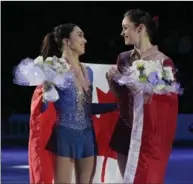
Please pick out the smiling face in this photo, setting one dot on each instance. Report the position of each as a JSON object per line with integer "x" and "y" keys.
{"x": 77, "y": 41}
{"x": 130, "y": 32}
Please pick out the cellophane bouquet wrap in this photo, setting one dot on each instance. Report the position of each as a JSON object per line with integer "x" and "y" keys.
{"x": 149, "y": 77}
{"x": 53, "y": 72}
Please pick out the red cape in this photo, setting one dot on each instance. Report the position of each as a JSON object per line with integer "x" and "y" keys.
{"x": 41, "y": 160}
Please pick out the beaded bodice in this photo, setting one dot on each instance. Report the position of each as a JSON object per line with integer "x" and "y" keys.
{"x": 74, "y": 107}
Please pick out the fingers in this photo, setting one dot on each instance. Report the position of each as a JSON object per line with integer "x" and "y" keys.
{"x": 112, "y": 72}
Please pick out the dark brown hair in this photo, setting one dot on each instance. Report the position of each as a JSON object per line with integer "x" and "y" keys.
{"x": 138, "y": 17}
{"x": 52, "y": 43}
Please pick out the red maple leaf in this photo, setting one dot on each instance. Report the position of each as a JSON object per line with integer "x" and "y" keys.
{"x": 105, "y": 124}
{"x": 104, "y": 127}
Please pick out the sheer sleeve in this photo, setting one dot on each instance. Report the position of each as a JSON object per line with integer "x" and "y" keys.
{"x": 114, "y": 87}
{"x": 101, "y": 108}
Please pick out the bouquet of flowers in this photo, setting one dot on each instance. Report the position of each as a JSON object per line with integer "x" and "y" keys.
{"x": 52, "y": 71}
{"x": 150, "y": 77}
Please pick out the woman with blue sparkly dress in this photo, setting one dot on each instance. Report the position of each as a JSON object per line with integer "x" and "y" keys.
{"x": 61, "y": 133}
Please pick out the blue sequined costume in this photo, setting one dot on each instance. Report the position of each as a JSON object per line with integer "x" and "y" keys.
{"x": 73, "y": 135}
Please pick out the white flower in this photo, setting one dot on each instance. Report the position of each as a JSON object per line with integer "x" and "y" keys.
{"x": 56, "y": 65}
{"x": 159, "y": 69}
{"x": 64, "y": 64}
{"x": 62, "y": 60}
{"x": 134, "y": 72}
{"x": 39, "y": 60}
{"x": 132, "y": 68}
{"x": 67, "y": 67}
{"x": 60, "y": 65}
{"x": 150, "y": 66}
{"x": 49, "y": 60}
{"x": 139, "y": 63}
{"x": 168, "y": 73}
{"x": 153, "y": 66}
{"x": 159, "y": 73}
{"x": 60, "y": 70}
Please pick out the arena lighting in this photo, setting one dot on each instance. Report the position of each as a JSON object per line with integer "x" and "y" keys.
{"x": 20, "y": 167}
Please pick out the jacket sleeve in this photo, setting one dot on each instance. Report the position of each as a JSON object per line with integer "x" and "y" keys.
{"x": 101, "y": 108}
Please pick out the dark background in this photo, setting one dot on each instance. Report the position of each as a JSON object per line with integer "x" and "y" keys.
{"x": 24, "y": 24}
